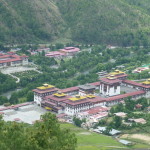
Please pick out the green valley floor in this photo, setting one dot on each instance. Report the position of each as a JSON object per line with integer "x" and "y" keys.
{"x": 92, "y": 141}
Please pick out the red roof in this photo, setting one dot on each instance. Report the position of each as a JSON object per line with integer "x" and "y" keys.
{"x": 96, "y": 110}
{"x": 100, "y": 115}
{"x": 135, "y": 83}
{"x": 71, "y": 89}
{"x": 16, "y": 106}
{"x": 86, "y": 100}
{"x": 5, "y": 56}
{"x": 121, "y": 75}
{"x": 48, "y": 102}
{"x": 17, "y": 119}
{"x": 110, "y": 81}
{"x": 113, "y": 98}
{"x": 70, "y": 49}
{"x": 55, "y": 53}
{"x": 138, "y": 106}
{"x": 95, "y": 83}
{"x": 97, "y": 99}
{"x": 45, "y": 91}
{"x": 11, "y": 58}
{"x": 53, "y": 104}
{"x": 61, "y": 115}
{"x": 55, "y": 98}
{"x": 10, "y": 52}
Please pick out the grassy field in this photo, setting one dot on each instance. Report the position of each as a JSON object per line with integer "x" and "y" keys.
{"x": 93, "y": 141}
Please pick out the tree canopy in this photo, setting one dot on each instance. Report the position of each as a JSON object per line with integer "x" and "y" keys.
{"x": 43, "y": 135}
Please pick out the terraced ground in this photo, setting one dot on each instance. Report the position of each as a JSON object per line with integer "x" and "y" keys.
{"x": 92, "y": 141}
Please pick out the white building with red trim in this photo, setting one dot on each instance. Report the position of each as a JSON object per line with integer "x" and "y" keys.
{"x": 145, "y": 86}
{"x": 55, "y": 54}
{"x": 70, "y": 51}
{"x": 12, "y": 59}
{"x": 42, "y": 91}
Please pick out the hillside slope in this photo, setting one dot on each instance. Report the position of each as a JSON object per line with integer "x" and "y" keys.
{"x": 105, "y": 21}
{"x": 120, "y": 22}
{"x": 29, "y": 21}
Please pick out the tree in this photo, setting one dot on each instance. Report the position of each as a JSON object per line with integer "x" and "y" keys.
{"x": 43, "y": 135}
{"x": 49, "y": 135}
{"x": 77, "y": 121}
{"x": 117, "y": 121}
{"x": 107, "y": 131}
{"x": 1, "y": 46}
{"x": 129, "y": 104}
{"x": 30, "y": 96}
{"x": 112, "y": 110}
{"x": 59, "y": 45}
{"x": 102, "y": 122}
{"x": 119, "y": 108}
{"x": 14, "y": 98}
{"x": 43, "y": 53}
{"x": 3, "y": 100}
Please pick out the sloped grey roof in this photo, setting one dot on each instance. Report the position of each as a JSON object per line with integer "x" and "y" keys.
{"x": 87, "y": 87}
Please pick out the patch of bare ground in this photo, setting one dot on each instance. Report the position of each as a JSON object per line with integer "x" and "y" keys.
{"x": 141, "y": 137}
{"x": 85, "y": 133}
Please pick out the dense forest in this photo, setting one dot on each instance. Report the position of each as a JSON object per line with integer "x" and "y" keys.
{"x": 118, "y": 22}
{"x": 29, "y": 21}
{"x": 6, "y": 83}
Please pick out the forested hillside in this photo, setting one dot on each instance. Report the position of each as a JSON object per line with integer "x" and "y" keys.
{"x": 29, "y": 21}
{"x": 105, "y": 21}
{"x": 120, "y": 22}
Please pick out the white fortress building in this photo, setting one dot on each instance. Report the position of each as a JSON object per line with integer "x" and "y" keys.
{"x": 110, "y": 86}
{"x": 42, "y": 91}
{"x": 77, "y": 99}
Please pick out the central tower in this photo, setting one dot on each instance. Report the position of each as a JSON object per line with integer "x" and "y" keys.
{"x": 110, "y": 86}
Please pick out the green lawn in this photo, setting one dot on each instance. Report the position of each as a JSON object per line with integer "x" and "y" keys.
{"x": 93, "y": 141}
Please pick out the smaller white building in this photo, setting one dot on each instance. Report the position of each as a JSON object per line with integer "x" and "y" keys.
{"x": 11, "y": 59}
{"x": 86, "y": 89}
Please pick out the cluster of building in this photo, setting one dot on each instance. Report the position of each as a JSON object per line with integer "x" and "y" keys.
{"x": 141, "y": 69}
{"x": 93, "y": 115}
{"x": 130, "y": 120}
{"x": 37, "y": 51}
{"x": 61, "y": 53}
{"x": 85, "y": 99}
{"x": 12, "y": 59}
{"x": 66, "y": 52}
